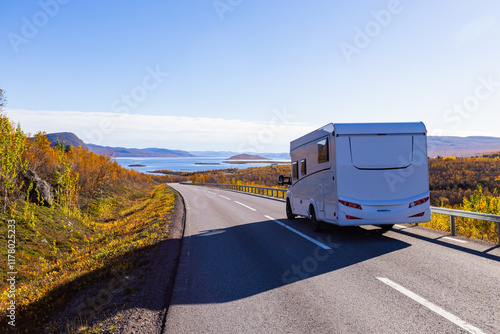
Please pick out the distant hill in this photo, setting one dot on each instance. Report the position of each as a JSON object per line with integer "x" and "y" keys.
{"x": 461, "y": 146}
{"x": 245, "y": 156}
{"x": 69, "y": 138}
{"x": 137, "y": 152}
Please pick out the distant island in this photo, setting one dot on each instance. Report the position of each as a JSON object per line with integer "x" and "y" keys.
{"x": 245, "y": 156}
{"x": 137, "y": 165}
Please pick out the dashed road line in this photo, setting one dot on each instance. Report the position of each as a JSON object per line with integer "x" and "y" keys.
{"x": 225, "y": 197}
{"x": 246, "y": 206}
{"x": 457, "y": 240}
{"x": 445, "y": 314}
{"x": 299, "y": 233}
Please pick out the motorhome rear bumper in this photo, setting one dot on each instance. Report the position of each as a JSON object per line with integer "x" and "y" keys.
{"x": 366, "y": 218}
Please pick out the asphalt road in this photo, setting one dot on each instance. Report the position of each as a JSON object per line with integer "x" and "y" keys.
{"x": 245, "y": 268}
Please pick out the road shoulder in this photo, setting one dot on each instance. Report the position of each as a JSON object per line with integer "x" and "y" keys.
{"x": 145, "y": 310}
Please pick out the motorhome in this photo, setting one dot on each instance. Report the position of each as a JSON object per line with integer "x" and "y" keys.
{"x": 360, "y": 174}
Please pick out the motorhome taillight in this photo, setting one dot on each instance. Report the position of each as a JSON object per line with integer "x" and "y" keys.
{"x": 351, "y": 205}
{"x": 420, "y": 201}
{"x": 352, "y": 217}
{"x": 418, "y": 215}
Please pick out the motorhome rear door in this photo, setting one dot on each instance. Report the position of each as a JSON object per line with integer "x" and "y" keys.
{"x": 382, "y": 167}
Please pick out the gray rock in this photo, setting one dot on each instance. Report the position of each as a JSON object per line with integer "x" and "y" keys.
{"x": 41, "y": 193}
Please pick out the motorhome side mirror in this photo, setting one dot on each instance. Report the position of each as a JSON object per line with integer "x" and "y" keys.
{"x": 282, "y": 180}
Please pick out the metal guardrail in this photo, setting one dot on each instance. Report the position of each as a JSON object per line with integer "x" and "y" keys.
{"x": 281, "y": 193}
{"x": 273, "y": 192}
{"x": 467, "y": 214}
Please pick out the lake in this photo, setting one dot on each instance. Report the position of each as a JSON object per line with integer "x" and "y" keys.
{"x": 184, "y": 164}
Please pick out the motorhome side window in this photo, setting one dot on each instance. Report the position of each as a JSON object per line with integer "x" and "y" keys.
{"x": 303, "y": 170}
{"x": 295, "y": 170}
{"x": 323, "y": 151}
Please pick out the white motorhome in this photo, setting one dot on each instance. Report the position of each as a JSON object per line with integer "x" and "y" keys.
{"x": 360, "y": 174}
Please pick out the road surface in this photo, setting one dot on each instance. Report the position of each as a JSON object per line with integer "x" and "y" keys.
{"x": 245, "y": 268}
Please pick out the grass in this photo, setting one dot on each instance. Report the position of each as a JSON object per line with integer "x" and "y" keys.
{"x": 57, "y": 254}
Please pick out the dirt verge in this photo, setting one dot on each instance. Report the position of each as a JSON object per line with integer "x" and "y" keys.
{"x": 148, "y": 308}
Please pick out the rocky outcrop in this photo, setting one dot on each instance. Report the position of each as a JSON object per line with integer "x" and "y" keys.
{"x": 41, "y": 192}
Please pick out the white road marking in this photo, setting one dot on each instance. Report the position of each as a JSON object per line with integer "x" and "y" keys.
{"x": 299, "y": 233}
{"x": 246, "y": 206}
{"x": 400, "y": 226}
{"x": 210, "y": 192}
{"x": 225, "y": 197}
{"x": 457, "y": 240}
{"x": 445, "y": 314}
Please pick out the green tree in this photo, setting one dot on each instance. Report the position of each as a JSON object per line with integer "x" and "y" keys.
{"x": 12, "y": 147}
{"x": 67, "y": 180}
{"x": 3, "y": 101}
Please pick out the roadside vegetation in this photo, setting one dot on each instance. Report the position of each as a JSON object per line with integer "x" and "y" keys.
{"x": 95, "y": 223}
{"x": 451, "y": 179}
{"x": 472, "y": 228}
{"x": 469, "y": 184}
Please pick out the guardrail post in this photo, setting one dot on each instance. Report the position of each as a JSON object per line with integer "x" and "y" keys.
{"x": 498, "y": 231}
{"x": 452, "y": 225}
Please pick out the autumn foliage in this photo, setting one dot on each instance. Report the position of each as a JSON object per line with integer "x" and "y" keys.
{"x": 451, "y": 179}
{"x": 80, "y": 178}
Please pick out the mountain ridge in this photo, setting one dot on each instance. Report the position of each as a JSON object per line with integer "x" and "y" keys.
{"x": 73, "y": 140}
{"x": 69, "y": 138}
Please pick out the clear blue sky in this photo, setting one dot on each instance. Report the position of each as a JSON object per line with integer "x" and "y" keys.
{"x": 247, "y": 75}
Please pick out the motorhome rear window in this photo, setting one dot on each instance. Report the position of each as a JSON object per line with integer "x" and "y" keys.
{"x": 323, "y": 151}
{"x": 381, "y": 152}
{"x": 303, "y": 170}
{"x": 295, "y": 170}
